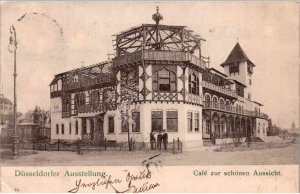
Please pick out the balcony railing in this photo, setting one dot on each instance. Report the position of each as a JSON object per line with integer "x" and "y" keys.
{"x": 222, "y": 107}
{"x": 224, "y": 135}
{"x": 219, "y": 89}
{"x": 159, "y": 55}
{"x": 85, "y": 82}
{"x": 232, "y": 109}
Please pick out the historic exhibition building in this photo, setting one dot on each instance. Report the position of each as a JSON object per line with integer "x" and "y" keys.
{"x": 160, "y": 70}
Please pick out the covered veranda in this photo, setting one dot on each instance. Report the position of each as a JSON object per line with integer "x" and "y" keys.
{"x": 226, "y": 125}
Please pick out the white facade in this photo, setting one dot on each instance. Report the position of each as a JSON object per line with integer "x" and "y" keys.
{"x": 170, "y": 91}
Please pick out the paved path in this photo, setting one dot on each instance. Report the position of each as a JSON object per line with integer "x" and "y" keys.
{"x": 203, "y": 156}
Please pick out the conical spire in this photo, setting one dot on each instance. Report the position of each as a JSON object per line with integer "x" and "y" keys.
{"x": 236, "y": 55}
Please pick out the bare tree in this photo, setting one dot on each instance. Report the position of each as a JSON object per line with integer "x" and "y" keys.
{"x": 125, "y": 107}
{"x": 40, "y": 117}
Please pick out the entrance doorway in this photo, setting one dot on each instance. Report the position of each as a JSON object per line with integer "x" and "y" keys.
{"x": 99, "y": 129}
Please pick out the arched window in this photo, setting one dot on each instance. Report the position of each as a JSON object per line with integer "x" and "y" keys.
{"x": 227, "y": 106}
{"x": 207, "y": 101}
{"x": 207, "y": 126}
{"x": 223, "y": 125}
{"x": 222, "y": 104}
{"x": 164, "y": 81}
{"x": 207, "y": 98}
{"x": 215, "y": 102}
{"x": 240, "y": 109}
{"x": 75, "y": 78}
{"x": 263, "y": 128}
{"x": 193, "y": 84}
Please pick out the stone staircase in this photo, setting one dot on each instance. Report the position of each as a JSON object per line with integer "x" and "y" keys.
{"x": 272, "y": 139}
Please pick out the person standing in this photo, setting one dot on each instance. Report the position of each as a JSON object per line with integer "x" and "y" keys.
{"x": 159, "y": 140}
{"x": 165, "y": 139}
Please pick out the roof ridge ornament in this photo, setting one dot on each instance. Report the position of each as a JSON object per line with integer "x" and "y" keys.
{"x": 157, "y": 16}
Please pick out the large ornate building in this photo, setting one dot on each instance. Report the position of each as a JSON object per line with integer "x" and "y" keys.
{"x": 161, "y": 71}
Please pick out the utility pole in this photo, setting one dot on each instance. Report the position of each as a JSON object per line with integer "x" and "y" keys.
{"x": 13, "y": 43}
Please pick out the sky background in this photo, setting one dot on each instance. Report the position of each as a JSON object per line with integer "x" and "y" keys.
{"x": 64, "y": 36}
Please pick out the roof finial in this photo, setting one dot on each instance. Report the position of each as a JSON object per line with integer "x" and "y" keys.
{"x": 237, "y": 39}
{"x": 157, "y": 16}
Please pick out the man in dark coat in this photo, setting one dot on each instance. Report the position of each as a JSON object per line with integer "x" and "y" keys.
{"x": 159, "y": 140}
{"x": 165, "y": 139}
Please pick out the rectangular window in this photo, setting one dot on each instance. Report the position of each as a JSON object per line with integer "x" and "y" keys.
{"x": 94, "y": 97}
{"x": 111, "y": 125}
{"x": 196, "y": 121}
{"x": 157, "y": 120}
{"x": 222, "y": 126}
{"x": 207, "y": 126}
{"x": 70, "y": 128}
{"x": 190, "y": 121}
{"x": 62, "y": 129}
{"x": 125, "y": 126}
{"x": 249, "y": 96}
{"x": 76, "y": 127}
{"x": 164, "y": 84}
{"x": 240, "y": 91}
{"x": 57, "y": 129}
{"x": 234, "y": 68}
{"x": 136, "y": 122}
{"x": 172, "y": 121}
{"x": 83, "y": 125}
{"x": 250, "y": 82}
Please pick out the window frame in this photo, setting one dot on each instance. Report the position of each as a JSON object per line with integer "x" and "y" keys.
{"x": 62, "y": 129}
{"x": 136, "y": 125}
{"x": 196, "y": 122}
{"x": 193, "y": 84}
{"x": 159, "y": 120}
{"x": 190, "y": 121}
{"x": 57, "y": 128}
{"x": 172, "y": 117}
{"x": 76, "y": 127}
{"x": 111, "y": 124}
{"x": 161, "y": 76}
{"x": 70, "y": 128}
{"x": 124, "y": 129}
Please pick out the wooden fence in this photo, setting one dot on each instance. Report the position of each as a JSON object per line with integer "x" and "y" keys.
{"x": 81, "y": 146}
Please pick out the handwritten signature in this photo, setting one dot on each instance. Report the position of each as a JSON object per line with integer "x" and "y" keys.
{"x": 134, "y": 183}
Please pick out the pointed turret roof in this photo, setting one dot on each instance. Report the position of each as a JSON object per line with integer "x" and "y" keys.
{"x": 236, "y": 55}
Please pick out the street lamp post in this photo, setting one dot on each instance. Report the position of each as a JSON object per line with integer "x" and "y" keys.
{"x": 13, "y": 43}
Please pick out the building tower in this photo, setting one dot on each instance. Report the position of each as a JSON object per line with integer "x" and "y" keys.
{"x": 240, "y": 68}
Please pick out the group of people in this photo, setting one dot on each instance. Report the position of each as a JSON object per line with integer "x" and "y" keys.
{"x": 158, "y": 138}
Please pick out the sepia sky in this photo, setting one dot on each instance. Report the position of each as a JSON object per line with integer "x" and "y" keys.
{"x": 56, "y": 37}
